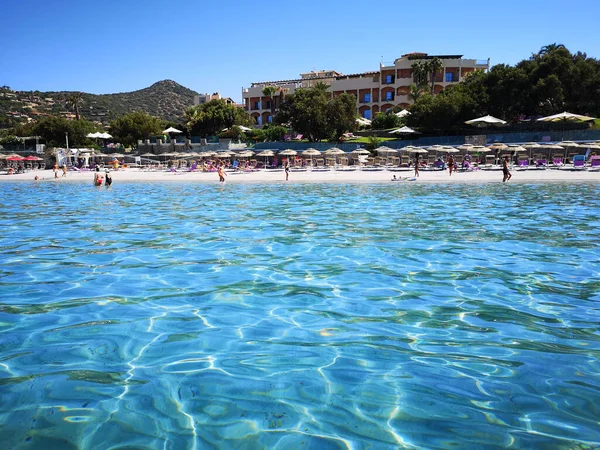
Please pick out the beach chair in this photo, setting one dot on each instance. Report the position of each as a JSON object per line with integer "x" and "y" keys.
{"x": 557, "y": 161}
{"x": 595, "y": 163}
{"x": 578, "y": 161}
{"x": 541, "y": 163}
{"x": 490, "y": 160}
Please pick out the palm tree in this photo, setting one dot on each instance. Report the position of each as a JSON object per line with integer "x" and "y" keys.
{"x": 75, "y": 100}
{"x": 420, "y": 74}
{"x": 433, "y": 67}
{"x": 416, "y": 92}
{"x": 269, "y": 91}
{"x": 546, "y": 49}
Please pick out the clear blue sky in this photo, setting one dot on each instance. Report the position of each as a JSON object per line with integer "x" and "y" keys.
{"x": 221, "y": 46}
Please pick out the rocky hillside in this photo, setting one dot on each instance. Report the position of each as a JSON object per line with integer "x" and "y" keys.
{"x": 165, "y": 99}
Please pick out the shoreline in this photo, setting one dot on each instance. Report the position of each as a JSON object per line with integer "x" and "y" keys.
{"x": 308, "y": 177}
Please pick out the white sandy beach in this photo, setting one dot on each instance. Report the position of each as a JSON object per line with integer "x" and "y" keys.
{"x": 330, "y": 176}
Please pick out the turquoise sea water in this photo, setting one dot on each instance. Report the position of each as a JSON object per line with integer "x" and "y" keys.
{"x": 190, "y": 316}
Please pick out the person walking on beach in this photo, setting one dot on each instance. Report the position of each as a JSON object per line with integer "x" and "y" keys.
{"x": 286, "y": 166}
{"x": 64, "y": 169}
{"x": 450, "y": 163}
{"x": 55, "y": 168}
{"x": 506, "y": 173}
{"x": 222, "y": 174}
{"x": 416, "y": 165}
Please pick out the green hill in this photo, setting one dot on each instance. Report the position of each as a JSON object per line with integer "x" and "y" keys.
{"x": 165, "y": 99}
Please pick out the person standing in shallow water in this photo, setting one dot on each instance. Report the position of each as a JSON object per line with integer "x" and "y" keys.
{"x": 417, "y": 165}
{"x": 286, "y": 166}
{"x": 222, "y": 174}
{"x": 506, "y": 173}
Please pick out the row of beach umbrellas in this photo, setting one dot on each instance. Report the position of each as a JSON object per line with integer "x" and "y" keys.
{"x": 387, "y": 150}
{"x": 565, "y": 116}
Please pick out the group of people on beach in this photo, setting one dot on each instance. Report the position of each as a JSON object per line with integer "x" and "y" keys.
{"x": 451, "y": 165}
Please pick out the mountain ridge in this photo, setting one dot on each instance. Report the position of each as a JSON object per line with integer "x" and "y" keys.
{"x": 165, "y": 99}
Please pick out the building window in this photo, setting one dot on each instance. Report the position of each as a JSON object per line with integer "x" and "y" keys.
{"x": 367, "y": 114}
{"x": 256, "y": 105}
{"x": 389, "y": 79}
{"x": 259, "y": 120}
{"x": 389, "y": 96}
{"x": 367, "y": 98}
{"x": 449, "y": 77}
{"x": 270, "y": 119}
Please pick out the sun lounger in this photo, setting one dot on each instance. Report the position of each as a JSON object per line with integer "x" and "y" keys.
{"x": 523, "y": 164}
{"x": 595, "y": 163}
{"x": 541, "y": 163}
{"x": 557, "y": 162}
{"x": 579, "y": 161}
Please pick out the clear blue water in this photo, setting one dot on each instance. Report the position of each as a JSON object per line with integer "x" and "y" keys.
{"x": 190, "y": 316}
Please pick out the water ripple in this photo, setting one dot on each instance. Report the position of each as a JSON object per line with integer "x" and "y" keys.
{"x": 299, "y": 316}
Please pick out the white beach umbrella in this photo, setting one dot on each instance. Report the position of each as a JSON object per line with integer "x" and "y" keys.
{"x": 363, "y": 121}
{"x": 568, "y": 144}
{"x": 404, "y": 130}
{"x": 517, "y": 148}
{"x": 566, "y": 117}
{"x": 385, "y": 150}
{"x": 532, "y": 145}
{"x": 360, "y": 151}
{"x": 266, "y": 154}
{"x": 498, "y": 146}
{"x": 311, "y": 152}
{"x": 435, "y": 148}
{"x": 172, "y": 130}
{"x": 591, "y": 146}
{"x": 465, "y": 147}
{"x": 335, "y": 152}
{"x": 551, "y": 147}
{"x": 403, "y": 113}
{"x": 418, "y": 150}
{"x": 288, "y": 152}
{"x": 486, "y": 121}
{"x": 448, "y": 149}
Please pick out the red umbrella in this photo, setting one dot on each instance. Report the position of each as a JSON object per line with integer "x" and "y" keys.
{"x": 14, "y": 158}
{"x": 32, "y": 158}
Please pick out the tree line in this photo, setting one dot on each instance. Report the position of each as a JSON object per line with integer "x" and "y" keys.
{"x": 552, "y": 80}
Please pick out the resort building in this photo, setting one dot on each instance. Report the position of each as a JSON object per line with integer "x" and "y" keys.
{"x": 205, "y": 98}
{"x": 376, "y": 91}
